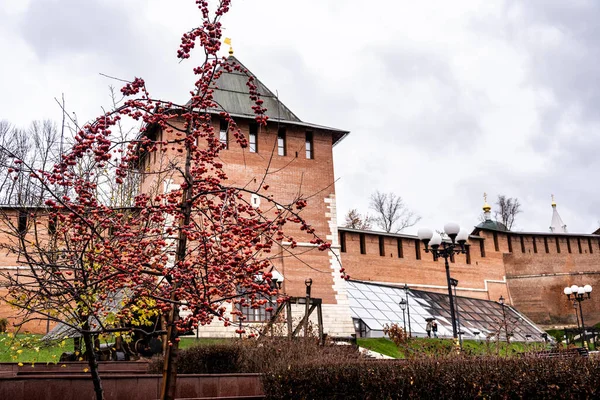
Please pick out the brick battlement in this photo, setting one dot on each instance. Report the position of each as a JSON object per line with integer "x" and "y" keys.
{"x": 529, "y": 269}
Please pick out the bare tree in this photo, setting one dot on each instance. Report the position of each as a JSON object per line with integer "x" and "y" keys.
{"x": 39, "y": 147}
{"x": 392, "y": 215}
{"x": 508, "y": 208}
{"x": 356, "y": 220}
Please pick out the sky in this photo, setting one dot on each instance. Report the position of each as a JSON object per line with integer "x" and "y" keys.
{"x": 445, "y": 100}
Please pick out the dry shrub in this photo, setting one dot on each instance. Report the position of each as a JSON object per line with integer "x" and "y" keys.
{"x": 442, "y": 378}
{"x": 257, "y": 355}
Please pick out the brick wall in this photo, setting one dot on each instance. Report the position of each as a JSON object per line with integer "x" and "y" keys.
{"x": 482, "y": 278}
{"x": 526, "y": 269}
{"x": 288, "y": 177}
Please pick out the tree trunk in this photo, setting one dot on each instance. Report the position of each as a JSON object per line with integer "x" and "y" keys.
{"x": 93, "y": 364}
{"x": 169, "y": 380}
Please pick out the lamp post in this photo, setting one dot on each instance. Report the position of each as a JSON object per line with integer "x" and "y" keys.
{"x": 579, "y": 294}
{"x": 446, "y": 249}
{"x": 454, "y": 283}
{"x": 308, "y": 283}
{"x": 406, "y": 289}
{"x": 402, "y": 305}
{"x": 576, "y": 313}
{"x": 501, "y": 301}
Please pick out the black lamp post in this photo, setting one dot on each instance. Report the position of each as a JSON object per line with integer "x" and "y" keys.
{"x": 406, "y": 289}
{"x": 501, "y": 301}
{"x": 454, "y": 283}
{"x": 402, "y": 305}
{"x": 579, "y": 294}
{"x": 446, "y": 249}
{"x": 308, "y": 282}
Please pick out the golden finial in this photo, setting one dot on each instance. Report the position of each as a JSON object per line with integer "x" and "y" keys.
{"x": 486, "y": 206}
{"x": 228, "y": 41}
{"x": 553, "y": 202}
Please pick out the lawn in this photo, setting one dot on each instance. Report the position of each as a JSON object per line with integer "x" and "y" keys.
{"x": 422, "y": 346}
{"x": 28, "y": 348}
{"x": 31, "y": 349}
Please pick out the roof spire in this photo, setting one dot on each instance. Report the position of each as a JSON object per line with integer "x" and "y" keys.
{"x": 557, "y": 225}
{"x": 486, "y": 208}
{"x": 228, "y": 41}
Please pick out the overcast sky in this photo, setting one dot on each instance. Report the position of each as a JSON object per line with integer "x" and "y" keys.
{"x": 444, "y": 99}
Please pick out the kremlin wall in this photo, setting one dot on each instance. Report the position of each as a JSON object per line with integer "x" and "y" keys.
{"x": 530, "y": 269}
{"x": 295, "y": 158}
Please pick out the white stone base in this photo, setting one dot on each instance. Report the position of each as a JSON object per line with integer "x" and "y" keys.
{"x": 336, "y": 322}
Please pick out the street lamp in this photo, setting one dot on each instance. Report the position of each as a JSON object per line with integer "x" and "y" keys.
{"x": 454, "y": 283}
{"x": 308, "y": 282}
{"x": 402, "y": 305}
{"x": 579, "y": 294}
{"x": 406, "y": 289}
{"x": 501, "y": 301}
{"x": 446, "y": 249}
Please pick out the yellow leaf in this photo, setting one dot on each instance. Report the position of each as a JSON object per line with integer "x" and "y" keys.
{"x": 20, "y": 364}
{"x": 63, "y": 366}
{"x": 86, "y": 370}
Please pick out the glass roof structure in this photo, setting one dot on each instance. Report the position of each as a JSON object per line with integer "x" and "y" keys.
{"x": 377, "y": 305}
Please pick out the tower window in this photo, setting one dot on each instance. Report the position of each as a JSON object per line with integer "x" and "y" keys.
{"x": 363, "y": 244}
{"x": 309, "y": 146}
{"x": 468, "y": 250}
{"x": 343, "y": 242}
{"x": 509, "y": 241}
{"x": 496, "y": 246}
{"x": 400, "y": 249}
{"x": 546, "y": 245}
{"x": 418, "y": 249}
{"x": 22, "y": 222}
{"x": 482, "y": 248}
{"x": 590, "y": 246}
{"x": 52, "y": 224}
{"x": 579, "y": 245}
{"x": 281, "y": 142}
{"x": 557, "y": 244}
{"x": 253, "y": 138}
{"x": 522, "y": 245}
{"x": 223, "y": 133}
{"x": 568, "y": 245}
{"x": 534, "y": 244}
{"x": 381, "y": 246}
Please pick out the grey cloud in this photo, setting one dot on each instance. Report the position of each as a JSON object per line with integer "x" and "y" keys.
{"x": 62, "y": 27}
{"x": 453, "y": 120}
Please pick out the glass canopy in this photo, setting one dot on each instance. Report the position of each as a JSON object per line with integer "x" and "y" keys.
{"x": 376, "y": 305}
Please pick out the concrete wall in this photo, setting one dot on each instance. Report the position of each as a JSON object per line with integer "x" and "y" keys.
{"x": 128, "y": 387}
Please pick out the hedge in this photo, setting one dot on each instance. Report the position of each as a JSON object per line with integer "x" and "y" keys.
{"x": 447, "y": 378}
{"x": 267, "y": 354}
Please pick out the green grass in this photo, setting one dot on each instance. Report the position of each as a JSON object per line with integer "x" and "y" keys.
{"x": 425, "y": 346}
{"x": 28, "y": 349}
{"x": 186, "y": 342}
{"x": 380, "y": 345}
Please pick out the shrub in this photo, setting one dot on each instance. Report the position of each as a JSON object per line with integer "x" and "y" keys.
{"x": 262, "y": 355}
{"x": 204, "y": 359}
{"x": 444, "y": 378}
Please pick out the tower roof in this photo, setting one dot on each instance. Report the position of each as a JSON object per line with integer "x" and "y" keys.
{"x": 557, "y": 225}
{"x": 232, "y": 95}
